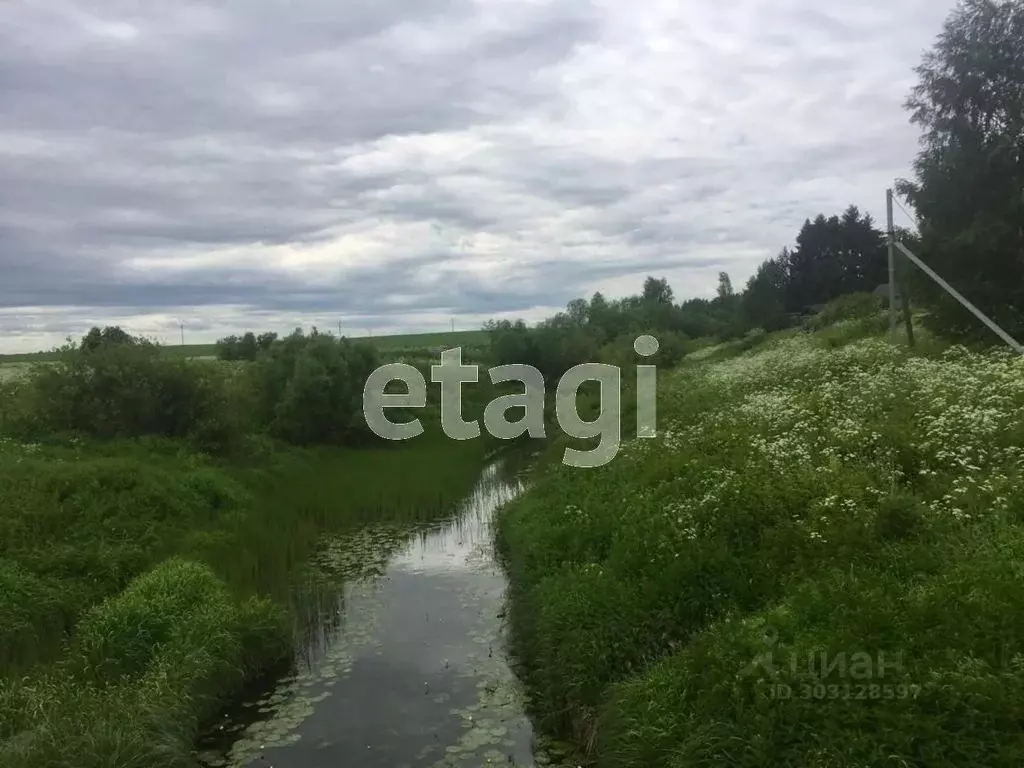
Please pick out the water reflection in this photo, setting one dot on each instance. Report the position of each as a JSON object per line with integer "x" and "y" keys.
{"x": 400, "y": 657}
{"x": 465, "y": 541}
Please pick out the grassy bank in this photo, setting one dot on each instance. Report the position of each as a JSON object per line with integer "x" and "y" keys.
{"x": 152, "y": 513}
{"x": 816, "y": 563}
{"x": 143, "y": 583}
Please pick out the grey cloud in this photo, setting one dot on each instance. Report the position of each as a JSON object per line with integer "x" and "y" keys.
{"x": 127, "y": 183}
{"x": 562, "y": 138}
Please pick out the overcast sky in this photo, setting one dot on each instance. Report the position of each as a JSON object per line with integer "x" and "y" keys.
{"x": 391, "y": 164}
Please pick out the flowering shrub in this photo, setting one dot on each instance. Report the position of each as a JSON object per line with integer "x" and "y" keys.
{"x": 773, "y": 471}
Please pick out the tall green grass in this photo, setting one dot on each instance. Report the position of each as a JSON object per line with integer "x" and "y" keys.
{"x": 145, "y": 669}
{"x": 77, "y": 524}
{"x": 803, "y": 496}
{"x": 141, "y": 583}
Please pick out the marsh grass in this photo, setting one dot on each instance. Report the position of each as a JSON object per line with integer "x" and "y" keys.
{"x": 144, "y": 669}
{"x": 141, "y": 583}
{"x": 850, "y": 497}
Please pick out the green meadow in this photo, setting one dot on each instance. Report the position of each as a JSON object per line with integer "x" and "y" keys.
{"x": 817, "y": 562}
{"x": 183, "y": 351}
{"x": 417, "y": 343}
{"x": 428, "y": 341}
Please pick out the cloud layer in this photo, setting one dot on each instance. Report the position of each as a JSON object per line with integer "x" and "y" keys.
{"x": 389, "y": 164}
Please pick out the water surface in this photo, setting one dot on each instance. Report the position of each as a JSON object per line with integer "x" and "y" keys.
{"x": 401, "y": 660}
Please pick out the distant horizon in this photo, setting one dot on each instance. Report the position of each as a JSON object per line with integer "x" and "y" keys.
{"x": 172, "y": 340}
{"x": 170, "y": 334}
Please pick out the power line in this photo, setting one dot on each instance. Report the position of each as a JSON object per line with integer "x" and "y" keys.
{"x": 909, "y": 215}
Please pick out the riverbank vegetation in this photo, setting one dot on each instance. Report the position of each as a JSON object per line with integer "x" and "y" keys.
{"x": 152, "y": 510}
{"x": 809, "y": 502}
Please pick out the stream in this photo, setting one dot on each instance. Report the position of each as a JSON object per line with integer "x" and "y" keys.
{"x": 400, "y": 659}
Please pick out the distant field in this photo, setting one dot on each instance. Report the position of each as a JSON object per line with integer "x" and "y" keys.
{"x": 402, "y": 341}
{"x": 10, "y": 371}
{"x": 192, "y": 350}
{"x": 27, "y": 357}
{"x": 179, "y": 350}
{"x": 424, "y": 340}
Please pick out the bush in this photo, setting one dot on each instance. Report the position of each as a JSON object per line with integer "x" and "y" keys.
{"x": 245, "y": 347}
{"x": 672, "y": 347}
{"x": 851, "y": 306}
{"x": 174, "y": 611}
{"x": 310, "y": 389}
{"x": 165, "y": 608}
{"x": 128, "y": 388}
{"x": 73, "y": 532}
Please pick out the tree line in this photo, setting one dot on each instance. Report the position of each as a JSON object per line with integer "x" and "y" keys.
{"x": 836, "y": 256}
{"x": 303, "y": 389}
{"x": 248, "y": 346}
{"x": 968, "y": 193}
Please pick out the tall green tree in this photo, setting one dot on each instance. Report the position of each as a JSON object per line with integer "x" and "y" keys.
{"x": 725, "y": 291}
{"x": 657, "y": 290}
{"x": 834, "y": 256}
{"x": 763, "y": 300}
{"x": 969, "y": 174}
{"x": 112, "y": 335}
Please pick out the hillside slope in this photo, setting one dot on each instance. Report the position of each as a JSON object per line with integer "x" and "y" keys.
{"x": 817, "y": 562}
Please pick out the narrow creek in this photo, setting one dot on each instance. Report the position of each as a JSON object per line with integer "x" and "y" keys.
{"x": 401, "y": 659}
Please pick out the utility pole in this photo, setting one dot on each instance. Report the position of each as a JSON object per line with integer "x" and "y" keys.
{"x": 899, "y": 271}
{"x": 892, "y": 265}
{"x": 1010, "y": 341}
{"x": 896, "y": 245}
{"x": 908, "y": 321}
